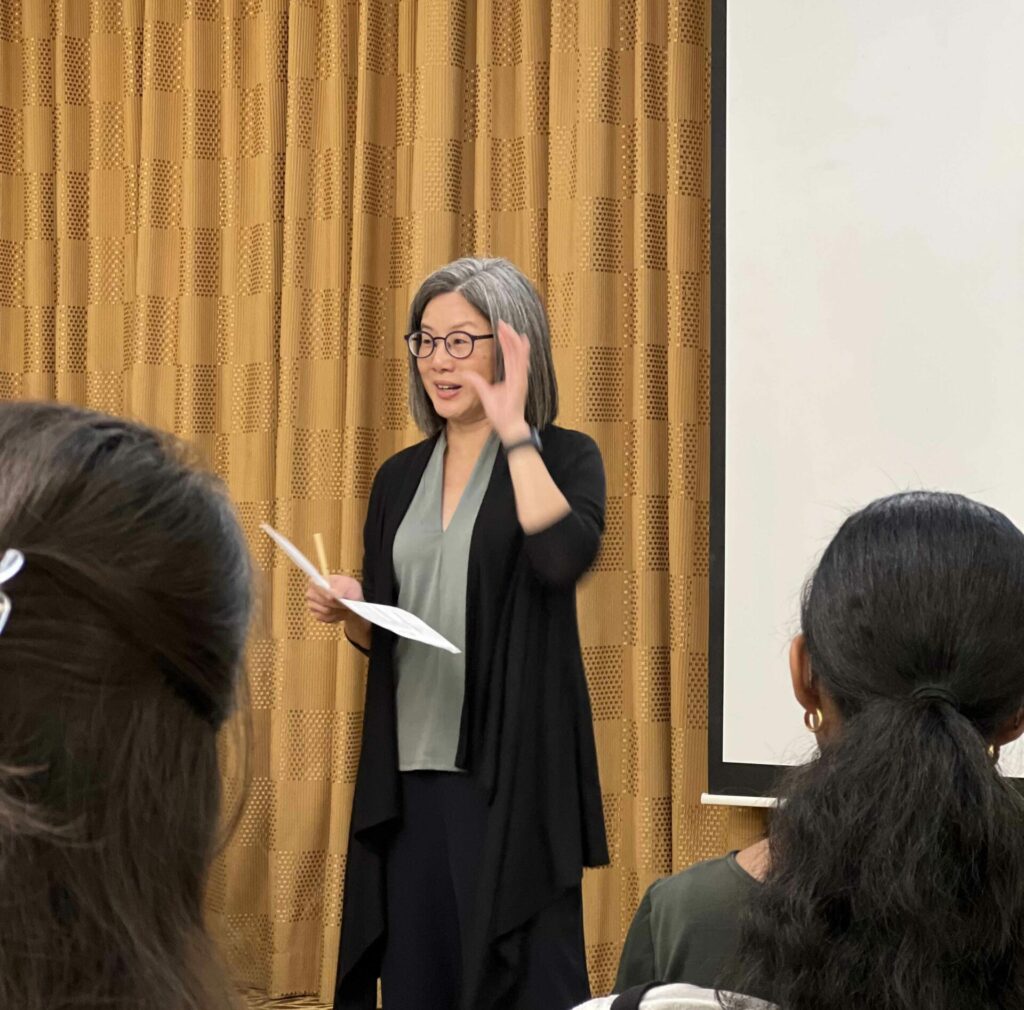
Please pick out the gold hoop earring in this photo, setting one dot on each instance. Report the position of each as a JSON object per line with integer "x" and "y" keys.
{"x": 814, "y": 720}
{"x": 993, "y": 753}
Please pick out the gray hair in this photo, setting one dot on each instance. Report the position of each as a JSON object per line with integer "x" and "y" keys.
{"x": 498, "y": 290}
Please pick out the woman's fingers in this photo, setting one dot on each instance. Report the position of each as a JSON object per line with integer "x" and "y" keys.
{"x": 314, "y": 594}
{"x": 480, "y": 385}
{"x": 328, "y": 615}
{"x": 505, "y": 334}
{"x": 319, "y": 609}
{"x": 511, "y": 346}
{"x": 323, "y": 606}
{"x": 344, "y": 587}
{"x": 515, "y": 348}
{"x": 519, "y": 341}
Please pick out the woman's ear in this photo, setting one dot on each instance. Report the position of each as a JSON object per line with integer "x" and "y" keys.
{"x": 1010, "y": 730}
{"x": 805, "y": 690}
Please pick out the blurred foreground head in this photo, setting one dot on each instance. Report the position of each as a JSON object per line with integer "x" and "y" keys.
{"x": 120, "y": 659}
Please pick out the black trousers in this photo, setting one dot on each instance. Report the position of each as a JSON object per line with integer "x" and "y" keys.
{"x": 432, "y": 871}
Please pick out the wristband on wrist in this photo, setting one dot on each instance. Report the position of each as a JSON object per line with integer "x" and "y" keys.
{"x": 533, "y": 439}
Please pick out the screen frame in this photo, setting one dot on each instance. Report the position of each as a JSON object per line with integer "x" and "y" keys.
{"x": 725, "y": 778}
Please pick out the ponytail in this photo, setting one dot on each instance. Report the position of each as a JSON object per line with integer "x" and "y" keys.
{"x": 897, "y": 872}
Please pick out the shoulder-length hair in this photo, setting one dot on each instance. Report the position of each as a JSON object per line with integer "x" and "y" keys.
{"x": 500, "y": 291}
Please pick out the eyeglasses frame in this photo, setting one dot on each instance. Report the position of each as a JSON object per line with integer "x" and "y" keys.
{"x": 474, "y": 337}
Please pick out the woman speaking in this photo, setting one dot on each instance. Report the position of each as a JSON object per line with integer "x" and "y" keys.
{"x": 477, "y": 801}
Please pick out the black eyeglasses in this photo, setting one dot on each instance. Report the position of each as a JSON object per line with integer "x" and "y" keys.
{"x": 456, "y": 343}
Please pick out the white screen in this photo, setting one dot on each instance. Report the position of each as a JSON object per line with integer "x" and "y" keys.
{"x": 874, "y": 298}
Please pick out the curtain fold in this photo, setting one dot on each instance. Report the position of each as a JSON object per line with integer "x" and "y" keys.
{"x": 213, "y": 214}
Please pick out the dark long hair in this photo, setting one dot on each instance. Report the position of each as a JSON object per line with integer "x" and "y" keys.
{"x": 119, "y": 662}
{"x": 896, "y": 875}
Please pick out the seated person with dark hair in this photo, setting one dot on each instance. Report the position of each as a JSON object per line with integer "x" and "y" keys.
{"x": 893, "y": 873}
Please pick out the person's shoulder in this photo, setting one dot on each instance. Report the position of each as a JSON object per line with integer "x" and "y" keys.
{"x": 703, "y": 882}
{"x": 566, "y": 445}
{"x": 568, "y": 439}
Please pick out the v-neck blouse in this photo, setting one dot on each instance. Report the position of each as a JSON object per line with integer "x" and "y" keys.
{"x": 431, "y": 565}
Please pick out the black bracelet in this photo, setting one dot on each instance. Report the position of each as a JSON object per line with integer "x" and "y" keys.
{"x": 532, "y": 440}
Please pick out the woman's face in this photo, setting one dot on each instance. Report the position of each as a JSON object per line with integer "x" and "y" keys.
{"x": 442, "y": 375}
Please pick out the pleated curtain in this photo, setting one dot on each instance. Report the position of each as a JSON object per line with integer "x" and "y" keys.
{"x": 213, "y": 216}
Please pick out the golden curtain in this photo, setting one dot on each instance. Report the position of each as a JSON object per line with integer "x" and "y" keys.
{"x": 212, "y": 216}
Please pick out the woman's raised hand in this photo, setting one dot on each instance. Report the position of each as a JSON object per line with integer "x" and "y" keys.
{"x": 325, "y": 607}
{"x": 504, "y": 402}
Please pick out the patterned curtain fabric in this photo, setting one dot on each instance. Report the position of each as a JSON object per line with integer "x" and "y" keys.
{"x": 213, "y": 215}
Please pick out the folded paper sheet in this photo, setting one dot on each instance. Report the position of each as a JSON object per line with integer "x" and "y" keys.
{"x": 393, "y": 619}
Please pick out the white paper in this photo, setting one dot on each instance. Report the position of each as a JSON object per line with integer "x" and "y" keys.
{"x": 401, "y": 622}
{"x": 392, "y": 619}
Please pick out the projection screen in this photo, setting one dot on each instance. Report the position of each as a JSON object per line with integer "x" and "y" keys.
{"x": 867, "y": 309}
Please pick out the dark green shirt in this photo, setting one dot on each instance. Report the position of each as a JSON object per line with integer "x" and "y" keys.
{"x": 687, "y": 928}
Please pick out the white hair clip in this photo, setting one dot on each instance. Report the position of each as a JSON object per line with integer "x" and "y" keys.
{"x": 10, "y": 564}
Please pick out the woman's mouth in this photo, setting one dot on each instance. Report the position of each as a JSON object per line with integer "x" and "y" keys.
{"x": 446, "y": 390}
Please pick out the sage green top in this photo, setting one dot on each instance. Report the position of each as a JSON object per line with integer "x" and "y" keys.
{"x": 430, "y": 568}
{"x": 687, "y": 928}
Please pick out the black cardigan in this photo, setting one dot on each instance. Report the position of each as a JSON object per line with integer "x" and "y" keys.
{"x": 526, "y": 733}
